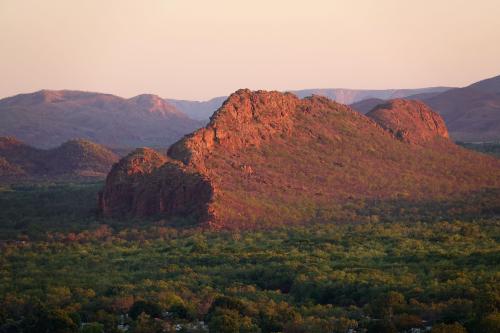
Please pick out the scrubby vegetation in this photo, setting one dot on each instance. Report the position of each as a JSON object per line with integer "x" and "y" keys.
{"x": 64, "y": 270}
{"x": 491, "y": 148}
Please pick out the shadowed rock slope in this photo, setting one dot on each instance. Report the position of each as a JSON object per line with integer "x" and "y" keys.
{"x": 268, "y": 158}
{"x": 73, "y": 159}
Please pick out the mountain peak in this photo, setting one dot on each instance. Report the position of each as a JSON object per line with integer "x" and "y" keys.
{"x": 155, "y": 104}
{"x": 49, "y": 96}
{"x": 148, "y": 100}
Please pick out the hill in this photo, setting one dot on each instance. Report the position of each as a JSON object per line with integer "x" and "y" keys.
{"x": 471, "y": 113}
{"x": 272, "y": 158}
{"x": 409, "y": 121}
{"x": 47, "y": 118}
{"x": 72, "y": 160}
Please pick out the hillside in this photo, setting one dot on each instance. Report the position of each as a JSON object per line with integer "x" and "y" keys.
{"x": 46, "y": 119}
{"x": 471, "y": 113}
{"x": 271, "y": 158}
{"x": 72, "y": 160}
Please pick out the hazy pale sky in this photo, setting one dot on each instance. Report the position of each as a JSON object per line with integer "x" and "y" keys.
{"x": 201, "y": 49}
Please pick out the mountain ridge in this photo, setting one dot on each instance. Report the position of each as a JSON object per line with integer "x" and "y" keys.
{"x": 270, "y": 157}
{"x": 47, "y": 118}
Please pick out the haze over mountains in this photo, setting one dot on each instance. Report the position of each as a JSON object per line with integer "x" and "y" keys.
{"x": 349, "y": 96}
{"x": 199, "y": 110}
{"x": 270, "y": 157}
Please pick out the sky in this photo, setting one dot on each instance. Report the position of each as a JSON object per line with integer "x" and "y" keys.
{"x": 199, "y": 49}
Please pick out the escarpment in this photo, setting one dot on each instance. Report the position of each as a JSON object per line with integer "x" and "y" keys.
{"x": 269, "y": 158}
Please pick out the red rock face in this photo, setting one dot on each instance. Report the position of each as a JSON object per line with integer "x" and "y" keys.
{"x": 271, "y": 158}
{"x": 245, "y": 119}
{"x": 124, "y": 180}
{"x": 145, "y": 183}
{"x": 410, "y": 121}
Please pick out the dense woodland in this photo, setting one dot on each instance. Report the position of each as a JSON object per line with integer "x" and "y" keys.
{"x": 383, "y": 269}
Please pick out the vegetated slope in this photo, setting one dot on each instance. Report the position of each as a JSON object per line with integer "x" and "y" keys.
{"x": 471, "y": 113}
{"x": 270, "y": 158}
{"x": 199, "y": 110}
{"x": 367, "y": 105}
{"x": 73, "y": 159}
{"x": 46, "y": 119}
{"x": 350, "y": 96}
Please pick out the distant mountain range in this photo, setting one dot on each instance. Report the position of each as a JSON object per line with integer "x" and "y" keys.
{"x": 74, "y": 159}
{"x": 48, "y": 118}
{"x": 349, "y": 96}
{"x": 199, "y": 110}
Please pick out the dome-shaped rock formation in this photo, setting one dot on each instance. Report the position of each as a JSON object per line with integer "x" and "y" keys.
{"x": 409, "y": 120}
{"x": 147, "y": 183}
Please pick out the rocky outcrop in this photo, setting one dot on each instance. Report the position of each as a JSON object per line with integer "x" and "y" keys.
{"x": 246, "y": 119}
{"x": 125, "y": 178}
{"x": 271, "y": 158}
{"x": 145, "y": 183}
{"x": 410, "y": 121}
